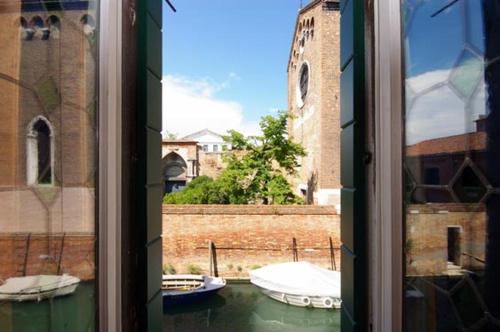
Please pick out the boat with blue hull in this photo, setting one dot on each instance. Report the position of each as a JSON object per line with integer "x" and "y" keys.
{"x": 187, "y": 288}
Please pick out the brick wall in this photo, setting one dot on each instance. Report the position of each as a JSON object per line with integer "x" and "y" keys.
{"x": 427, "y": 237}
{"x": 248, "y": 236}
{"x": 43, "y": 254}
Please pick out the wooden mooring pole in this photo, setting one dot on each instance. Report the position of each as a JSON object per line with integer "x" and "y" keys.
{"x": 332, "y": 255}
{"x": 61, "y": 251}
{"x": 25, "y": 264}
{"x": 295, "y": 250}
{"x": 212, "y": 257}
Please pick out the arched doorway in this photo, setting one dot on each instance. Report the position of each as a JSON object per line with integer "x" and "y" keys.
{"x": 174, "y": 172}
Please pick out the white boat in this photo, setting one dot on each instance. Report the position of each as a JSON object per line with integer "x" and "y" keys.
{"x": 38, "y": 287}
{"x": 188, "y": 288}
{"x": 300, "y": 284}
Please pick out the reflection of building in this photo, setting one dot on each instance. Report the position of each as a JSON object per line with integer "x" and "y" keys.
{"x": 198, "y": 154}
{"x": 447, "y": 175}
{"x": 449, "y": 169}
{"x": 47, "y": 92}
{"x": 313, "y": 99}
{"x": 48, "y": 106}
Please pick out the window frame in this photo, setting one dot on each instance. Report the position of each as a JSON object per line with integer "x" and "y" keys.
{"x": 109, "y": 317}
{"x": 386, "y": 198}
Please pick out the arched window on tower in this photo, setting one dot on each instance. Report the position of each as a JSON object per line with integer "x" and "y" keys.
{"x": 312, "y": 28}
{"x": 54, "y": 25}
{"x": 40, "y": 152}
{"x": 40, "y": 31}
{"x": 26, "y": 31}
{"x": 89, "y": 25}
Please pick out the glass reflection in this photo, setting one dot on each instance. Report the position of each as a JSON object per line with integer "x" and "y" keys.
{"x": 47, "y": 164}
{"x": 452, "y": 165}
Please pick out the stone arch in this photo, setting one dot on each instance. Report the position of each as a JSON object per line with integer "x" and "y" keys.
{"x": 175, "y": 170}
{"x": 40, "y": 152}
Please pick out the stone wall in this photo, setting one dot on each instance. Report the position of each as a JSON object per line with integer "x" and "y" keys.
{"x": 248, "y": 236}
{"x": 42, "y": 253}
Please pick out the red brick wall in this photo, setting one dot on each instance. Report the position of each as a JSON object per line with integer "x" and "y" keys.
{"x": 78, "y": 255}
{"x": 246, "y": 235}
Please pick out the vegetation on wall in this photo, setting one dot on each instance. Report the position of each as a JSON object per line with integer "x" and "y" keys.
{"x": 256, "y": 170}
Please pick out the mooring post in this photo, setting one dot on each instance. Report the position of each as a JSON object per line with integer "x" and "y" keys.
{"x": 25, "y": 264}
{"x": 61, "y": 251}
{"x": 332, "y": 255}
{"x": 210, "y": 259}
{"x": 294, "y": 250}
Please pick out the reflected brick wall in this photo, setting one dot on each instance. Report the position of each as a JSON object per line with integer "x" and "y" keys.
{"x": 72, "y": 254}
{"x": 427, "y": 237}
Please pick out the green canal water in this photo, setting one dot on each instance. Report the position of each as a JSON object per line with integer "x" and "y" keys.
{"x": 236, "y": 308}
{"x": 73, "y": 313}
{"x": 243, "y": 308}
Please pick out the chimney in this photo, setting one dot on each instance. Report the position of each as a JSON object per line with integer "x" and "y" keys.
{"x": 481, "y": 123}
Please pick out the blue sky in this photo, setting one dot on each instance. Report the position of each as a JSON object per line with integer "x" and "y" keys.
{"x": 227, "y": 55}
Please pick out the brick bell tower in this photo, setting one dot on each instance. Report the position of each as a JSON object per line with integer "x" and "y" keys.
{"x": 313, "y": 101}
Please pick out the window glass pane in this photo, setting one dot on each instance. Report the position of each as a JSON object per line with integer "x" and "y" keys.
{"x": 48, "y": 107}
{"x": 452, "y": 165}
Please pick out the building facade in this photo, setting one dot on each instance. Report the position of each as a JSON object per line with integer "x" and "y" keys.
{"x": 47, "y": 156}
{"x": 313, "y": 101}
{"x": 197, "y": 154}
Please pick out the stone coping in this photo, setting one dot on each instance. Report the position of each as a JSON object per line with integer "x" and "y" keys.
{"x": 201, "y": 209}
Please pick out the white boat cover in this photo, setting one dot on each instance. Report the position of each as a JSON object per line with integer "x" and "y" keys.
{"x": 300, "y": 278}
{"x": 36, "y": 284}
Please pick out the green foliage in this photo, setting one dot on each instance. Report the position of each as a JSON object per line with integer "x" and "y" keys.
{"x": 202, "y": 190}
{"x": 169, "y": 269}
{"x": 193, "y": 269}
{"x": 256, "y": 170}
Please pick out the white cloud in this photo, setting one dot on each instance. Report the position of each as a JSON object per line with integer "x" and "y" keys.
{"x": 440, "y": 112}
{"x": 192, "y": 105}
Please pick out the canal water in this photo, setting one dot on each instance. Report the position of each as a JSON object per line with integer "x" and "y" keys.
{"x": 236, "y": 308}
{"x": 73, "y": 313}
{"x": 243, "y": 308}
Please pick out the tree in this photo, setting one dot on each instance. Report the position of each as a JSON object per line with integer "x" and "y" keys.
{"x": 256, "y": 171}
{"x": 171, "y": 136}
{"x": 202, "y": 190}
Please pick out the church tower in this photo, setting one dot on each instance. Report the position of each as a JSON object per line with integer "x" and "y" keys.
{"x": 313, "y": 101}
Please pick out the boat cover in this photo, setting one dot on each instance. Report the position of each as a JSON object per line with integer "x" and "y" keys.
{"x": 299, "y": 278}
{"x": 36, "y": 284}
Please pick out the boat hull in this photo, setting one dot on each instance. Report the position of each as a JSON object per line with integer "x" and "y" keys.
{"x": 202, "y": 288}
{"x": 323, "y": 302}
{"x": 37, "y": 288}
{"x": 170, "y": 300}
{"x": 66, "y": 290}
